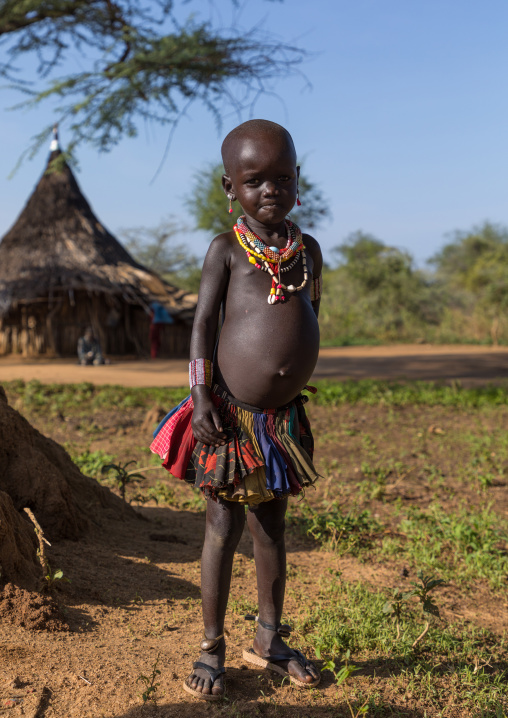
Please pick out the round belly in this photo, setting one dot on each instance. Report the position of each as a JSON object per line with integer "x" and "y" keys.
{"x": 265, "y": 357}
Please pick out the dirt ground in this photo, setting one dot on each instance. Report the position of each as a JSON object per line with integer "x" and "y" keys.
{"x": 132, "y": 603}
{"x": 469, "y": 364}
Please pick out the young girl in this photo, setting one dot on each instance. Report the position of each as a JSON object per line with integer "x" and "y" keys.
{"x": 243, "y": 436}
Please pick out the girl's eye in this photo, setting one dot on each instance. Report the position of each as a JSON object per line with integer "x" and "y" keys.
{"x": 284, "y": 178}
{"x": 252, "y": 181}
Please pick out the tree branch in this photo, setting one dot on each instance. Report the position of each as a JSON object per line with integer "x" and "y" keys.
{"x": 133, "y": 68}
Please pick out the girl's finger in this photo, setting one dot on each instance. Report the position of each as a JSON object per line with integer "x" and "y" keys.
{"x": 206, "y": 432}
{"x": 218, "y": 423}
{"x": 208, "y": 427}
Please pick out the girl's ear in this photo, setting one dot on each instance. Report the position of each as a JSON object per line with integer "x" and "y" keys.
{"x": 227, "y": 186}
{"x": 297, "y": 172}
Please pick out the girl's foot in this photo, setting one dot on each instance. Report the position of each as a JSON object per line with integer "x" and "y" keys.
{"x": 201, "y": 682}
{"x": 268, "y": 643}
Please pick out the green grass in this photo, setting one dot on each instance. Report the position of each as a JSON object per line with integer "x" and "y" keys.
{"x": 466, "y": 545}
{"x": 372, "y": 392}
{"x": 161, "y": 493}
{"x": 58, "y": 397}
{"x": 85, "y": 396}
{"x": 470, "y": 662}
{"x": 334, "y": 527}
{"x": 90, "y": 463}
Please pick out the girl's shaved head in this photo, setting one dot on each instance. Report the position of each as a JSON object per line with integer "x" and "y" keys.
{"x": 252, "y": 130}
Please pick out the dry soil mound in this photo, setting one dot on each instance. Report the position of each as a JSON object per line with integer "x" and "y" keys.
{"x": 30, "y": 610}
{"x": 18, "y": 548}
{"x": 38, "y": 473}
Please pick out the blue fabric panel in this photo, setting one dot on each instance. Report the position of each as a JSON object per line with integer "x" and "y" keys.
{"x": 276, "y": 477}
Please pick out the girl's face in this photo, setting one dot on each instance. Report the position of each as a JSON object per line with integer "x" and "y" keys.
{"x": 263, "y": 178}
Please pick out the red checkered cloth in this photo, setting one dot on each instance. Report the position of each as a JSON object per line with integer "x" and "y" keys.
{"x": 160, "y": 445}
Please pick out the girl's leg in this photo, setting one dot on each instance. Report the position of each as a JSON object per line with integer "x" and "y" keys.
{"x": 224, "y": 526}
{"x": 267, "y": 524}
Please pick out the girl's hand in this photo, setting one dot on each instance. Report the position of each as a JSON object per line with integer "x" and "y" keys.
{"x": 206, "y": 423}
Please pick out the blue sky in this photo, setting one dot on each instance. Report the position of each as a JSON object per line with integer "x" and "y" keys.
{"x": 404, "y": 127}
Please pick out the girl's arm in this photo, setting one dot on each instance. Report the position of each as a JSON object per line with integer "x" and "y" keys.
{"x": 206, "y": 423}
{"x": 314, "y": 250}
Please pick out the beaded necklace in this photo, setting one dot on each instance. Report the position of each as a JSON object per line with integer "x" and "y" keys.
{"x": 273, "y": 254}
{"x": 272, "y": 258}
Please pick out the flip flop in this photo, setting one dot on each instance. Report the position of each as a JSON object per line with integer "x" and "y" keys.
{"x": 214, "y": 674}
{"x": 268, "y": 662}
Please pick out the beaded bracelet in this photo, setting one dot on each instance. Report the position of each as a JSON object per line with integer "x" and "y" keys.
{"x": 200, "y": 372}
{"x": 316, "y": 288}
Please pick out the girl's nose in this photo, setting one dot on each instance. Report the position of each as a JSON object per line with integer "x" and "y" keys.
{"x": 270, "y": 188}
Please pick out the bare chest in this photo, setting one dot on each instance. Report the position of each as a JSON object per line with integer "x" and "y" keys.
{"x": 286, "y": 283}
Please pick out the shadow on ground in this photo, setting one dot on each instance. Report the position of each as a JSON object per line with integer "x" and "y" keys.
{"x": 470, "y": 369}
{"x": 253, "y": 709}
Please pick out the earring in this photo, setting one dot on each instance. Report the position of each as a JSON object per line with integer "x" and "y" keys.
{"x": 230, "y": 210}
{"x": 298, "y": 203}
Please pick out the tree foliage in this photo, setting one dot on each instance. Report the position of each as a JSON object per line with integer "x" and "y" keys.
{"x": 137, "y": 62}
{"x": 458, "y": 261}
{"x": 377, "y": 294}
{"x": 156, "y": 249}
{"x": 209, "y": 205}
{"x": 476, "y": 263}
{"x": 207, "y": 202}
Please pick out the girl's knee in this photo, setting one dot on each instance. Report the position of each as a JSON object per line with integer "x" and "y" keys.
{"x": 224, "y": 524}
{"x": 267, "y": 529}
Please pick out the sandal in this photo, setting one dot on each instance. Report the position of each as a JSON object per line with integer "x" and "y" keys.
{"x": 270, "y": 661}
{"x": 208, "y": 645}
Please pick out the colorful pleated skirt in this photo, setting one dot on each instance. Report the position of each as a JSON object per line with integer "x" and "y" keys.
{"x": 267, "y": 454}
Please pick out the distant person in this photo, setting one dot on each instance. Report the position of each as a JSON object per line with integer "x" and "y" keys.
{"x": 159, "y": 317}
{"x": 89, "y": 349}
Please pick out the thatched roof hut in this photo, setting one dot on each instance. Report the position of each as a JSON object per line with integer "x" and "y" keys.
{"x": 61, "y": 270}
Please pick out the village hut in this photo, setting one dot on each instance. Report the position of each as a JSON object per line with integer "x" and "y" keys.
{"x": 61, "y": 271}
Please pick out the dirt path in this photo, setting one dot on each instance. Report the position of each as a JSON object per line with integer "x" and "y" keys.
{"x": 469, "y": 364}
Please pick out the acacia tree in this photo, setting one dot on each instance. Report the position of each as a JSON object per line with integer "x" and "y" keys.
{"x": 137, "y": 62}
{"x": 208, "y": 204}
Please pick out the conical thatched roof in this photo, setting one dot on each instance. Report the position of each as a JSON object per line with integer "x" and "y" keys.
{"x": 58, "y": 245}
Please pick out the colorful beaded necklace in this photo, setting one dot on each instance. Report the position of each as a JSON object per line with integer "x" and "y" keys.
{"x": 272, "y": 258}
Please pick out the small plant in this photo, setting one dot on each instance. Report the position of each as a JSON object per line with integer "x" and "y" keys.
{"x": 341, "y": 678}
{"x": 122, "y": 476}
{"x": 421, "y": 591}
{"x": 394, "y": 607}
{"x": 150, "y": 682}
{"x": 53, "y": 576}
{"x": 49, "y": 576}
